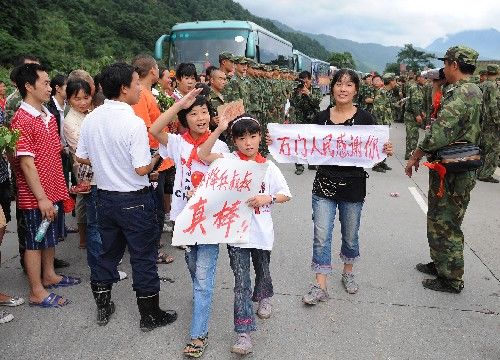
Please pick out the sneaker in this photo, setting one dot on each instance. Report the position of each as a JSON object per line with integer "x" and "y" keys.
{"x": 378, "y": 168}
{"x": 5, "y": 317}
{"x": 349, "y": 284}
{"x": 265, "y": 308}
{"x": 243, "y": 344}
{"x": 123, "y": 275}
{"x": 315, "y": 294}
{"x": 167, "y": 227}
{"x": 385, "y": 166}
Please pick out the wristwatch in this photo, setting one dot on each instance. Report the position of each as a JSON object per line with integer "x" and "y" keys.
{"x": 273, "y": 199}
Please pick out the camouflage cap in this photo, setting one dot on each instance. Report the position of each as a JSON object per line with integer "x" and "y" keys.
{"x": 389, "y": 76}
{"x": 462, "y": 54}
{"x": 483, "y": 72}
{"x": 225, "y": 56}
{"x": 240, "y": 60}
{"x": 492, "y": 69}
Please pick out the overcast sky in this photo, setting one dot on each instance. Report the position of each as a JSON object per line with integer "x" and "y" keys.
{"x": 417, "y": 22}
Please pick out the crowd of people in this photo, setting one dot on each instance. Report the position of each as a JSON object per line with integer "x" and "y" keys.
{"x": 123, "y": 145}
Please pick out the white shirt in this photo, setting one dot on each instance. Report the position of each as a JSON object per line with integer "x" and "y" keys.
{"x": 261, "y": 227}
{"x": 116, "y": 142}
{"x": 179, "y": 151}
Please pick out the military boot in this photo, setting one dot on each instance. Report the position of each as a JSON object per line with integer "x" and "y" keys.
{"x": 151, "y": 314}
{"x": 105, "y": 307}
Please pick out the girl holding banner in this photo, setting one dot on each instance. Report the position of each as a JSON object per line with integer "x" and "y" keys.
{"x": 342, "y": 187}
{"x": 192, "y": 112}
{"x": 245, "y": 131}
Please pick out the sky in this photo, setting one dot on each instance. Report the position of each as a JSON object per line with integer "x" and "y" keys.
{"x": 386, "y": 22}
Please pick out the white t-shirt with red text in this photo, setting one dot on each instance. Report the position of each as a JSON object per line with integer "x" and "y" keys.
{"x": 179, "y": 151}
{"x": 261, "y": 226}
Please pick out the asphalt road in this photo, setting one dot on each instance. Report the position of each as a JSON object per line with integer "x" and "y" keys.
{"x": 391, "y": 317}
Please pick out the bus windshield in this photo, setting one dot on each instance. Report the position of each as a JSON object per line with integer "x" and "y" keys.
{"x": 202, "y": 47}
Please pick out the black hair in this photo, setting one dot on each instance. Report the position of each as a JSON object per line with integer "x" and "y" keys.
{"x": 186, "y": 69}
{"x": 58, "y": 80}
{"x": 200, "y": 101}
{"x": 97, "y": 81}
{"x": 209, "y": 70}
{"x": 305, "y": 75}
{"x": 241, "y": 126}
{"x": 162, "y": 70}
{"x": 466, "y": 68}
{"x": 26, "y": 73}
{"x": 74, "y": 86}
{"x": 21, "y": 59}
{"x": 114, "y": 77}
{"x": 351, "y": 74}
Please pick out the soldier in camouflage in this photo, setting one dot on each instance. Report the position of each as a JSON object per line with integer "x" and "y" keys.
{"x": 490, "y": 131}
{"x": 383, "y": 110}
{"x": 414, "y": 113}
{"x": 305, "y": 102}
{"x": 457, "y": 121}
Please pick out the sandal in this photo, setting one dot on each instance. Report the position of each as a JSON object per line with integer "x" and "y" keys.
{"x": 65, "y": 282}
{"x": 51, "y": 301}
{"x": 193, "y": 350}
{"x": 163, "y": 258}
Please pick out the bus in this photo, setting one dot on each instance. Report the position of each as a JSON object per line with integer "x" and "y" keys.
{"x": 302, "y": 62}
{"x": 201, "y": 42}
{"x": 321, "y": 75}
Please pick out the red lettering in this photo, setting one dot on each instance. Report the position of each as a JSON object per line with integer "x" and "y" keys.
{"x": 285, "y": 146}
{"x": 341, "y": 146}
{"x": 371, "y": 148}
{"x": 227, "y": 216}
{"x": 356, "y": 144}
{"x": 316, "y": 148}
{"x": 198, "y": 217}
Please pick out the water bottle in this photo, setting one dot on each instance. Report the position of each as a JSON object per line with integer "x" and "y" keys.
{"x": 42, "y": 229}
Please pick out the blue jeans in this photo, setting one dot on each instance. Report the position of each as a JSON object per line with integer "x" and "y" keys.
{"x": 239, "y": 258}
{"x": 128, "y": 220}
{"x": 324, "y": 211}
{"x": 94, "y": 243}
{"x": 201, "y": 261}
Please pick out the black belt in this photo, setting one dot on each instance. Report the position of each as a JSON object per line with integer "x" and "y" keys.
{"x": 144, "y": 190}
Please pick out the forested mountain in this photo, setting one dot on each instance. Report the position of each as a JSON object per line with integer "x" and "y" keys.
{"x": 72, "y": 33}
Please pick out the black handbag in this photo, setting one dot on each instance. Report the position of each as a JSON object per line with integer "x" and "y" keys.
{"x": 459, "y": 157}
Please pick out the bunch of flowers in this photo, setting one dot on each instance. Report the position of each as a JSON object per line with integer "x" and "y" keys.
{"x": 8, "y": 138}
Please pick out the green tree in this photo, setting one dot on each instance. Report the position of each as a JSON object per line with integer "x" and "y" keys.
{"x": 414, "y": 59}
{"x": 342, "y": 60}
{"x": 392, "y": 67}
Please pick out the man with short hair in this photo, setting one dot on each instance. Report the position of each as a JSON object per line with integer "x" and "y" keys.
{"x": 490, "y": 126}
{"x": 40, "y": 183}
{"x": 115, "y": 142}
{"x": 226, "y": 63}
{"x": 448, "y": 197}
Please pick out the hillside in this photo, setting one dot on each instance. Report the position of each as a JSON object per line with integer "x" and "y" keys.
{"x": 486, "y": 42}
{"x": 67, "y": 34}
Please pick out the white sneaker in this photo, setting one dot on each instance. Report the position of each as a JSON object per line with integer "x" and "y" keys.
{"x": 123, "y": 275}
{"x": 167, "y": 227}
{"x": 5, "y": 317}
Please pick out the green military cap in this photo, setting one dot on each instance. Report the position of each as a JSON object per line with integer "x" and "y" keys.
{"x": 275, "y": 67}
{"x": 474, "y": 79}
{"x": 483, "y": 72}
{"x": 492, "y": 69}
{"x": 226, "y": 56}
{"x": 240, "y": 60}
{"x": 389, "y": 76}
{"x": 462, "y": 54}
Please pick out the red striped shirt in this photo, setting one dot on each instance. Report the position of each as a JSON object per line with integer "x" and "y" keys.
{"x": 41, "y": 141}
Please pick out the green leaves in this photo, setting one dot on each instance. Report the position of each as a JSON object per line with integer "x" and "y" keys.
{"x": 8, "y": 138}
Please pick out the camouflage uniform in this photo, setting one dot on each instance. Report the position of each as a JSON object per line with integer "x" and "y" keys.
{"x": 12, "y": 103}
{"x": 490, "y": 132}
{"x": 458, "y": 120}
{"x": 383, "y": 107}
{"x": 413, "y": 107}
{"x": 427, "y": 102}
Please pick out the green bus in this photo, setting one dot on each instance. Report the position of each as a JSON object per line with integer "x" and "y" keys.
{"x": 201, "y": 42}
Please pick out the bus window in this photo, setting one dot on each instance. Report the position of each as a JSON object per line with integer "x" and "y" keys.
{"x": 202, "y": 47}
{"x": 274, "y": 52}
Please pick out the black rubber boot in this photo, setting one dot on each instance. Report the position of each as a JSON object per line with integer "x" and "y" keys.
{"x": 105, "y": 307}
{"x": 151, "y": 314}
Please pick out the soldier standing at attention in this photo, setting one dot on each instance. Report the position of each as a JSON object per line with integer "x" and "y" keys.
{"x": 490, "y": 131}
{"x": 218, "y": 80}
{"x": 414, "y": 113}
{"x": 226, "y": 64}
{"x": 305, "y": 102}
{"x": 457, "y": 121}
{"x": 383, "y": 110}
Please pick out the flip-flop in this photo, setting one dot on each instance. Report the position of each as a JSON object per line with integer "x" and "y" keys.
{"x": 65, "y": 282}
{"x": 51, "y": 301}
{"x": 163, "y": 258}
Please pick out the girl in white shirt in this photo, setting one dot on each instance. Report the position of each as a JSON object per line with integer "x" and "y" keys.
{"x": 246, "y": 134}
{"x": 192, "y": 112}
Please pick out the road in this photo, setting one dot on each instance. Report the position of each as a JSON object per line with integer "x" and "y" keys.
{"x": 391, "y": 317}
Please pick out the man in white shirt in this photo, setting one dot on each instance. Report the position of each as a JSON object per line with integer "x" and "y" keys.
{"x": 115, "y": 142}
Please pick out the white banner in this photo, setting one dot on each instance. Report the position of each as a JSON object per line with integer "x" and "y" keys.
{"x": 357, "y": 145}
{"x": 217, "y": 212}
